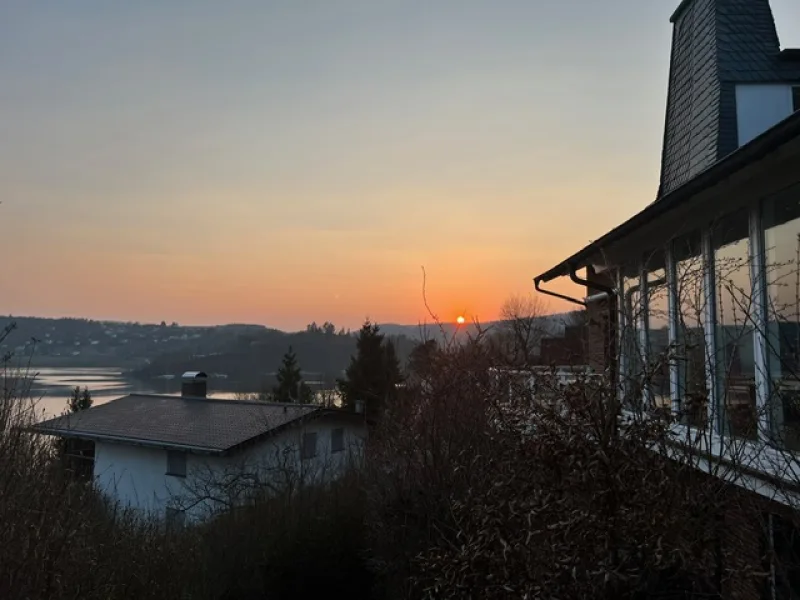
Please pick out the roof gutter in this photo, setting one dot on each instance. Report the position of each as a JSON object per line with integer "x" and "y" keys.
{"x": 757, "y": 149}
{"x": 573, "y": 275}
{"x": 610, "y": 291}
{"x": 537, "y": 284}
{"x": 118, "y": 439}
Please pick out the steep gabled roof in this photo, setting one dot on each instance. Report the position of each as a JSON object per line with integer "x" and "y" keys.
{"x": 206, "y": 425}
{"x": 716, "y": 44}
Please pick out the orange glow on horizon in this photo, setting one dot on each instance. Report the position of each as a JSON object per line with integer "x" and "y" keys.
{"x": 461, "y": 320}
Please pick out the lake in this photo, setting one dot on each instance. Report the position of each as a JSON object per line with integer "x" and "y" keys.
{"x": 49, "y": 388}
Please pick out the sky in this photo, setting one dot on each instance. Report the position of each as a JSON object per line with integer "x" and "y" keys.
{"x": 281, "y": 162}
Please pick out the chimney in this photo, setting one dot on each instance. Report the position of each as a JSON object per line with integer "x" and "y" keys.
{"x": 194, "y": 384}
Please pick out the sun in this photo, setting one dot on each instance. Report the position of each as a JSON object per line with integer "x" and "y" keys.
{"x": 460, "y": 320}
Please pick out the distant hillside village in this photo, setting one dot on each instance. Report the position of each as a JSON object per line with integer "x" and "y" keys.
{"x": 86, "y": 342}
{"x": 241, "y": 357}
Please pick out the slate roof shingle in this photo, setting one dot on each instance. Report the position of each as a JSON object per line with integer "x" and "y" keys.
{"x": 209, "y": 425}
{"x": 716, "y": 44}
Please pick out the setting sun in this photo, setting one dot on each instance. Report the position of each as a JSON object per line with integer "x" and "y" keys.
{"x": 460, "y": 320}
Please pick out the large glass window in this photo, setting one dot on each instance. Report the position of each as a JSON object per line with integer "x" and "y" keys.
{"x": 691, "y": 354}
{"x": 781, "y": 218}
{"x": 735, "y": 309}
{"x": 631, "y": 337}
{"x": 658, "y": 332}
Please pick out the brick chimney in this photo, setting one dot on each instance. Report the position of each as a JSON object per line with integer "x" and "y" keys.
{"x": 194, "y": 384}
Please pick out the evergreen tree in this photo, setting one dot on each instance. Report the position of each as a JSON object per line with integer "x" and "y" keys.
{"x": 289, "y": 379}
{"x": 422, "y": 358}
{"x": 373, "y": 373}
{"x": 306, "y": 393}
{"x": 78, "y": 454}
{"x": 79, "y": 400}
{"x": 391, "y": 366}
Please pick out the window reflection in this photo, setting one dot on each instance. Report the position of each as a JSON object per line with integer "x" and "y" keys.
{"x": 658, "y": 332}
{"x": 691, "y": 348}
{"x": 631, "y": 338}
{"x": 782, "y": 241}
{"x": 735, "y": 308}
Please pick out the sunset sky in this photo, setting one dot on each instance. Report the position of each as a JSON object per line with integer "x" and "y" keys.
{"x": 282, "y": 162}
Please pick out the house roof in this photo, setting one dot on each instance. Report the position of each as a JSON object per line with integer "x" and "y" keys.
{"x": 759, "y": 148}
{"x": 203, "y": 425}
{"x": 716, "y": 45}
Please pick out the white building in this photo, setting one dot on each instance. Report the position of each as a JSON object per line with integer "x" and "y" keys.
{"x": 693, "y": 303}
{"x": 190, "y": 455}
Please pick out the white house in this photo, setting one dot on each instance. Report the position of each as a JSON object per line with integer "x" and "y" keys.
{"x": 693, "y": 303}
{"x": 187, "y": 456}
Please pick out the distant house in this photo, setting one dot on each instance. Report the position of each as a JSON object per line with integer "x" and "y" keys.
{"x": 568, "y": 349}
{"x": 185, "y": 457}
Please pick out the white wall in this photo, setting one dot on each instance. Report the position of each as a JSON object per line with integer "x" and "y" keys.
{"x": 136, "y": 476}
{"x": 761, "y": 106}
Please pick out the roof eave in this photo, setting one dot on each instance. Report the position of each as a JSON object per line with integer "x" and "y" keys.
{"x": 755, "y": 150}
{"x": 118, "y": 439}
{"x": 299, "y": 420}
{"x": 790, "y": 55}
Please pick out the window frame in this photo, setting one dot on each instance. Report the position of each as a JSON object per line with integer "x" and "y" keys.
{"x": 337, "y": 447}
{"x": 182, "y": 458}
{"x": 307, "y": 450}
{"x": 768, "y": 421}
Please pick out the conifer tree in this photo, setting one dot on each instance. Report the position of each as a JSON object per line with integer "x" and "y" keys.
{"x": 373, "y": 373}
{"x": 289, "y": 379}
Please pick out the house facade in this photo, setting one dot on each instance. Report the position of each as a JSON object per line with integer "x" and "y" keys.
{"x": 693, "y": 303}
{"x": 184, "y": 458}
{"x": 695, "y": 300}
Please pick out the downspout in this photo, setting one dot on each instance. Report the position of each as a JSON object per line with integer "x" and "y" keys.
{"x": 605, "y": 292}
{"x": 612, "y": 501}
{"x": 610, "y": 293}
{"x": 573, "y": 275}
{"x": 537, "y": 284}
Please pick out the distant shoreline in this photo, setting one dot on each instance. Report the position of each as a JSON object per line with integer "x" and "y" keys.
{"x": 76, "y": 362}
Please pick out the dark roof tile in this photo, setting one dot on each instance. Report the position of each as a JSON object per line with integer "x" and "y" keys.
{"x": 204, "y": 424}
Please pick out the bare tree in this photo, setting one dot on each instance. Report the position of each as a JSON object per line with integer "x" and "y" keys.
{"x": 522, "y": 329}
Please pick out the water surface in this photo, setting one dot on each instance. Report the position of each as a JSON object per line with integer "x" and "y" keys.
{"x": 49, "y": 388}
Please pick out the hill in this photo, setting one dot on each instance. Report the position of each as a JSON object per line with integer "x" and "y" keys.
{"x": 553, "y": 325}
{"x": 250, "y": 361}
{"x": 245, "y": 356}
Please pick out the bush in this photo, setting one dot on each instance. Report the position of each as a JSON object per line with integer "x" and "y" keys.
{"x": 473, "y": 488}
{"x": 478, "y": 489}
{"x": 61, "y": 539}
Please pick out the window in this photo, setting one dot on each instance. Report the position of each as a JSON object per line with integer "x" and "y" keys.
{"x": 176, "y": 463}
{"x": 781, "y": 217}
{"x": 796, "y": 97}
{"x": 735, "y": 310}
{"x": 780, "y": 549}
{"x": 309, "y": 449}
{"x": 337, "y": 440}
{"x": 631, "y": 337}
{"x": 657, "y": 332}
{"x": 691, "y": 351}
